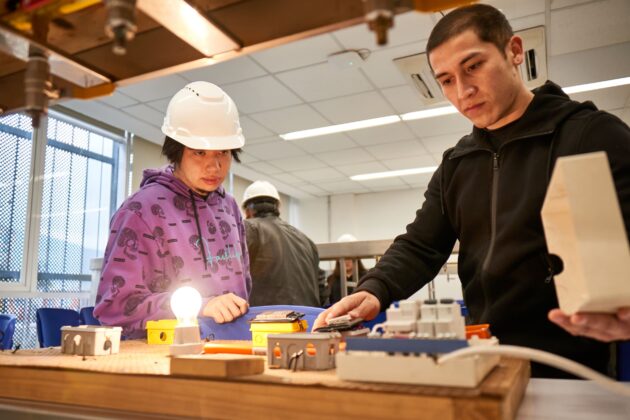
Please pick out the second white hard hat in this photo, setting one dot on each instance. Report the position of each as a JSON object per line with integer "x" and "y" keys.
{"x": 260, "y": 189}
{"x": 347, "y": 237}
{"x": 202, "y": 116}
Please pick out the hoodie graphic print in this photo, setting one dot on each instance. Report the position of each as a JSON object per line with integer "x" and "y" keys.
{"x": 163, "y": 237}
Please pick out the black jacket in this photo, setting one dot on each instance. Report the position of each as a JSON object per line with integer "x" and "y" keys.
{"x": 491, "y": 202}
{"x": 284, "y": 264}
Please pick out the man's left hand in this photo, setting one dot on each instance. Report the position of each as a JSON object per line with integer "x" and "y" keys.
{"x": 600, "y": 326}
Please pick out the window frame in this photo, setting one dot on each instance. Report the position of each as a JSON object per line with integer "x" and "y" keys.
{"x": 26, "y": 287}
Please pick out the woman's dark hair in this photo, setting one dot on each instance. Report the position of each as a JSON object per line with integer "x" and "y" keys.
{"x": 173, "y": 150}
{"x": 488, "y": 23}
{"x": 263, "y": 206}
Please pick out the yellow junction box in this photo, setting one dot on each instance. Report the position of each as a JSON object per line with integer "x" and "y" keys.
{"x": 161, "y": 332}
{"x": 260, "y": 330}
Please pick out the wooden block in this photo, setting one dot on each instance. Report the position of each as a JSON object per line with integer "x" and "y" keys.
{"x": 584, "y": 227}
{"x": 217, "y": 365}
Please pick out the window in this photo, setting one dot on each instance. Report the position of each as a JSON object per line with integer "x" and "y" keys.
{"x": 74, "y": 194}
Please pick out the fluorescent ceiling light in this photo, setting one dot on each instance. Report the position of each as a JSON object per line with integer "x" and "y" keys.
{"x": 191, "y": 26}
{"x": 356, "y": 125}
{"x": 597, "y": 85}
{"x": 429, "y": 113}
{"x": 389, "y": 174}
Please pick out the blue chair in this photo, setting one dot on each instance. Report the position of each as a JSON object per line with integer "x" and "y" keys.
{"x": 86, "y": 316}
{"x": 7, "y": 328}
{"x": 239, "y": 328}
{"x": 49, "y": 323}
{"x": 623, "y": 361}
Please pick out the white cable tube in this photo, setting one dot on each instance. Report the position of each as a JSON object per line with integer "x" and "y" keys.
{"x": 542, "y": 357}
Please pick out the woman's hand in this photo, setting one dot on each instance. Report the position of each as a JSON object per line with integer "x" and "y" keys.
{"x": 226, "y": 308}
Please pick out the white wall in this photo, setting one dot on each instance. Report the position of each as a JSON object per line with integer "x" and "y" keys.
{"x": 370, "y": 216}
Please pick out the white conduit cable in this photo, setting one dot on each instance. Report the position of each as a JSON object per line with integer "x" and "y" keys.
{"x": 545, "y": 358}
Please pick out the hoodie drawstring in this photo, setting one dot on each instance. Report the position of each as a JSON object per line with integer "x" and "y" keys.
{"x": 203, "y": 248}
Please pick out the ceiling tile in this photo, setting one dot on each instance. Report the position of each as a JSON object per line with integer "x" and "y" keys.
{"x": 381, "y": 134}
{"x": 259, "y": 140}
{"x": 438, "y": 144}
{"x": 346, "y": 157}
{"x": 321, "y": 174}
{"x": 146, "y": 113}
{"x": 397, "y": 149}
{"x": 595, "y": 65}
{"x": 225, "y": 72}
{"x": 380, "y": 67}
{"x": 340, "y": 187}
{"x": 354, "y": 108}
{"x": 160, "y": 105}
{"x": 150, "y": 90}
{"x": 323, "y": 81}
{"x": 383, "y": 182}
{"x": 422, "y": 161}
{"x": 362, "y": 168}
{"x": 264, "y": 168}
{"x": 247, "y": 158}
{"x": 327, "y": 143}
{"x": 295, "y": 118}
{"x": 274, "y": 150}
{"x": 289, "y": 179}
{"x": 600, "y": 23}
{"x": 408, "y": 27}
{"x": 518, "y": 9}
{"x": 605, "y": 99}
{"x": 297, "y": 54}
{"x": 312, "y": 189}
{"x": 252, "y": 130}
{"x": 117, "y": 100}
{"x": 445, "y": 124}
{"x": 419, "y": 179}
{"x": 298, "y": 163}
{"x": 405, "y": 99}
{"x": 260, "y": 94}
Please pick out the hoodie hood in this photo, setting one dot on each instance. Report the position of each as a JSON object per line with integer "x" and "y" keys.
{"x": 164, "y": 176}
{"x": 547, "y": 109}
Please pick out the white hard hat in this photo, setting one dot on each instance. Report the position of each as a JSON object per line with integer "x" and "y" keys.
{"x": 347, "y": 237}
{"x": 202, "y": 116}
{"x": 260, "y": 189}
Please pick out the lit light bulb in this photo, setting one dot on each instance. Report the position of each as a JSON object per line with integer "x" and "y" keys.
{"x": 186, "y": 303}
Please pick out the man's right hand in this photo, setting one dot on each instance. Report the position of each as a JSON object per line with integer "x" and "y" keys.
{"x": 226, "y": 308}
{"x": 358, "y": 305}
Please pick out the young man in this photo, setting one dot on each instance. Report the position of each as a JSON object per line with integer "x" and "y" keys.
{"x": 180, "y": 228}
{"x": 488, "y": 193}
{"x": 284, "y": 261}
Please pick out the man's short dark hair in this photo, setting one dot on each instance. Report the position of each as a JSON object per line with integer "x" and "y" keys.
{"x": 488, "y": 23}
{"x": 173, "y": 150}
{"x": 263, "y": 206}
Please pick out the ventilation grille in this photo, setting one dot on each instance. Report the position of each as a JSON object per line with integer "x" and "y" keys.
{"x": 416, "y": 71}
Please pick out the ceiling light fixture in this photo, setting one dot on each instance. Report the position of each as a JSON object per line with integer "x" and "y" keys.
{"x": 587, "y": 87}
{"x": 189, "y": 24}
{"x": 356, "y": 125}
{"x": 430, "y": 113}
{"x": 389, "y": 174}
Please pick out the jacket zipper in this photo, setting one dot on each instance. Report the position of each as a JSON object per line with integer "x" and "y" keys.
{"x": 493, "y": 226}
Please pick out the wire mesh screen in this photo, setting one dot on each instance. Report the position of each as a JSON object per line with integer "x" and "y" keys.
{"x": 24, "y": 308}
{"x": 76, "y": 205}
{"x": 15, "y": 160}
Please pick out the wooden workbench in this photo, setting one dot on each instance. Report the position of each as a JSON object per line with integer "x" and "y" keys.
{"x": 138, "y": 380}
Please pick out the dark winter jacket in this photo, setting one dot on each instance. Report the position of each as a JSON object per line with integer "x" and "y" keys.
{"x": 491, "y": 201}
{"x": 284, "y": 264}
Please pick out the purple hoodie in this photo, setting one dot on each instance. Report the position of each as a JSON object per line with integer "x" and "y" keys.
{"x": 154, "y": 247}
